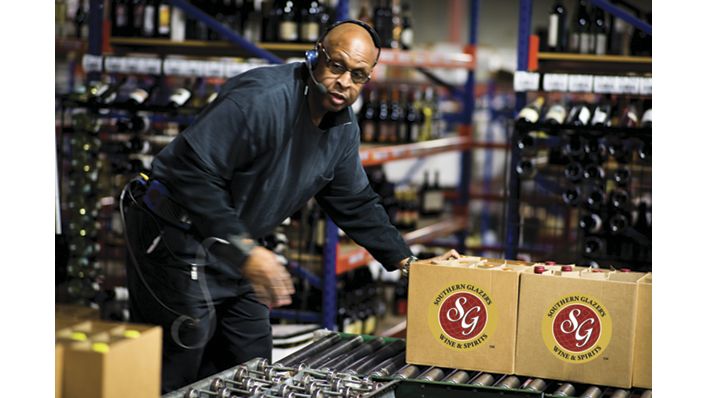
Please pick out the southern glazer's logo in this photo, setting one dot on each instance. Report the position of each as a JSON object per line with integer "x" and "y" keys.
{"x": 463, "y": 316}
{"x": 576, "y": 328}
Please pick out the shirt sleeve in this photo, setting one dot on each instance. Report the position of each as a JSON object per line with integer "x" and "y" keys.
{"x": 353, "y": 205}
{"x": 197, "y": 168}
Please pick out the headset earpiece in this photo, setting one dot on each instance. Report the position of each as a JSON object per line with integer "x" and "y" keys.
{"x": 310, "y": 56}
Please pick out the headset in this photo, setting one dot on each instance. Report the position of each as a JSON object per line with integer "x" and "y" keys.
{"x": 311, "y": 56}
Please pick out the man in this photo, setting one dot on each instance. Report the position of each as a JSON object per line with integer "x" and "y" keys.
{"x": 274, "y": 138}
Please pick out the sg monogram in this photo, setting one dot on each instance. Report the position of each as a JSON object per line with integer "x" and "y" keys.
{"x": 468, "y": 322}
{"x": 582, "y": 331}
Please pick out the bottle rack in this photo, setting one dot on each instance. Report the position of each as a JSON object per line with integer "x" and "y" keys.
{"x": 533, "y": 199}
{"x": 551, "y": 228}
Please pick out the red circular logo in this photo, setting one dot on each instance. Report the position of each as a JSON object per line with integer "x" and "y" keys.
{"x": 576, "y": 328}
{"x": 462, "y": 316}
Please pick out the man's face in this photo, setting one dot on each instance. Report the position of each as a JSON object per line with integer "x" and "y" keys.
{"x": 343, "y": 68}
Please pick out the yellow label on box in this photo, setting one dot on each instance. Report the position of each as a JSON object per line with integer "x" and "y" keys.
{"x": 576, "y": 328}
{"x": 462, "y": 317}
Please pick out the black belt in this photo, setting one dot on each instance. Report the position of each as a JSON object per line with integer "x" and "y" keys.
{"x": 158, "y": 199}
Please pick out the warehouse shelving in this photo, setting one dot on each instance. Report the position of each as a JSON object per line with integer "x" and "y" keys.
{"x": 528, "y": 59}
{"x": 336, "y": 258}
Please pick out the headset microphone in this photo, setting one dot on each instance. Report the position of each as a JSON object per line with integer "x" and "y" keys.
{"x": 309, "y": 55}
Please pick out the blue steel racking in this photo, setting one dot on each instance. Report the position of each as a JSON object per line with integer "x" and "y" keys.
{"x": 327, "y": 283}
{"x": 523, "y": 51}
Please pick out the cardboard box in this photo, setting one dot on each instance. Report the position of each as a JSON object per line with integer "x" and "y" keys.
{"x": 113, "y": 360}
{"x": 643, "y": 355}
{"x": 578, "y": 327}
{"x": 462, "y": 314}
{"x": 58, "y": 369}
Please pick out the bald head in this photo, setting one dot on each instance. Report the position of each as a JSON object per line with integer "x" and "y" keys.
{"x": 354, "y": 40}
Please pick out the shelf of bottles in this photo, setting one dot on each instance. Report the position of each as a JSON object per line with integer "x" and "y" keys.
{"x": 585, "y": 180}
{"x": 80, "y": 214}
{"x": 592, "y": 31}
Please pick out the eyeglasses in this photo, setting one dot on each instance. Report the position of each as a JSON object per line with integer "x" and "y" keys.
{"x": 358, "y": 76}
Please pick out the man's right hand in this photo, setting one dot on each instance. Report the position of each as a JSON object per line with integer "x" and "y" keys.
{"x": 270, "y": 280}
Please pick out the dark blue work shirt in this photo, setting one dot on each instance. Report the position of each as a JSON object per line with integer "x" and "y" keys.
{"x": 254, "y": 157}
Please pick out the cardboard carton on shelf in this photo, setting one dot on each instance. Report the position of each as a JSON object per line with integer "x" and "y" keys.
{"x": 462, "y": 313}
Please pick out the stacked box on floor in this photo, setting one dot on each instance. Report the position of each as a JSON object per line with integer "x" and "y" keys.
{"x": 107, "y": 359}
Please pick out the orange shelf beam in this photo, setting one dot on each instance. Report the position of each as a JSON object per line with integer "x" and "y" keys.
{"x": 379, "y": 155}
{"x": 350, "y": 257}
{"x": 426, "y": 59}
{"x": 434, "y": 231}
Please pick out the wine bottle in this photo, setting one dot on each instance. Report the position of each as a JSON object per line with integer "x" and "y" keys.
{"x": 594, "y": 172}
{"x": 556, "y": 114}
{"x": 138, "y": 17}
{"x": 253, "y": 20}
{"x": 526, "y": 143}
{"x": 80, "y": 19}
{"x": 595, "y": 150}
{"x": 531, "y": 112}
{"x": 617, "y": 149}
{"x": 164, "y": 14}
{"x": 60, "y": 11}
{"x": 640, "y": 43}
{"x": 574, "y": 171}
{"x": 526, "y": 168}
{"x": 647, "y": 118}
{"x": 574, "y": 147}
{"x": 287, "y": 24}
{"x": 369, "y": 122}
{"x": 590, "y": 223}
{"x": 571, "y": 196}
{"x": 407, "y": 35}
{"x": 593, "y": 246}
{"x": 413, "y": 117}
{"x": 595, "y": 198}
{"x": 622, "y": 176}
{"x": 400, "y": 297}
{"x": 149, "y": 19}
{"x": 383, "y": 22}
{"x": 629, "y": 117}
{"x": 599, "y": 32}
{"x": 385, "y": 127}
{"x": 119, "y": 13}
{"x": 437, "y": 200}
{"x": 580, "y": 26}
{"x": 140, "y": 95}
{"x": 583, "y": 27}
{"x": 403, "y": 125}
{"x": 309, "y": 23}
{"x": 579, "y": 115}
{"x": 557, "y": 27}
{"x": 395, "y": 116}
{"x": 182, "y": 95}
{"x": 364, "y": 14}
{"x": 619, "y": 199}
{"x": 178, "y": 26}
{"x": 105, "y": 93}
{"x": 602, "y": 115}
{"x": 618, "y": 222}
{"x": 645, "y": 149}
